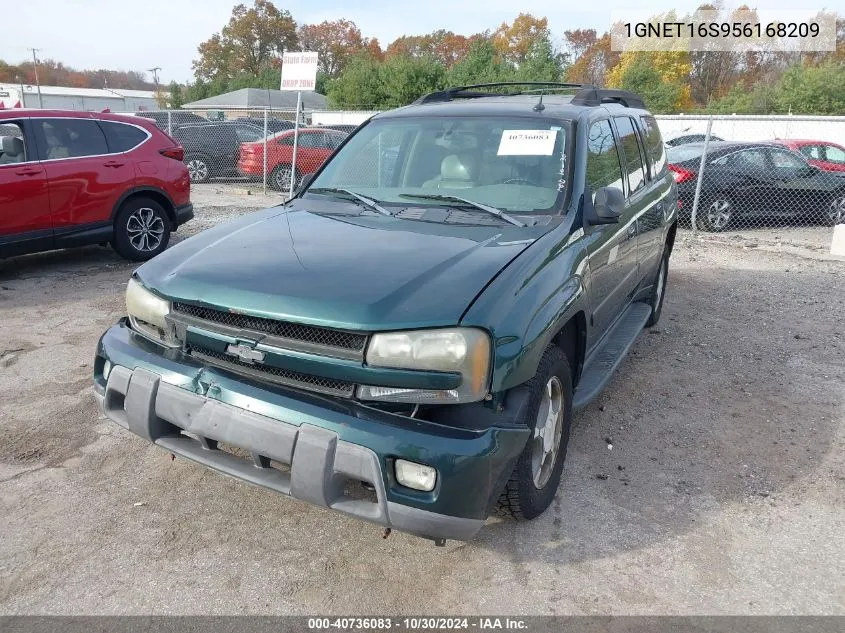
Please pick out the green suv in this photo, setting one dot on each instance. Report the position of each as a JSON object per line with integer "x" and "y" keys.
{"x": 406, "y": 339}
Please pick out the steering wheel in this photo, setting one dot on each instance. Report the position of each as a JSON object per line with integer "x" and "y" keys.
{"x": 518, "y": 181}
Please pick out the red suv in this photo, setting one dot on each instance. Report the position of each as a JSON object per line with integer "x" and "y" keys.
{"x": 314, "y": 146}
{"x": 77, "y": 178}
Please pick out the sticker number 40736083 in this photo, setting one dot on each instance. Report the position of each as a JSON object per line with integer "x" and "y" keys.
{"x": 527, "y": 142}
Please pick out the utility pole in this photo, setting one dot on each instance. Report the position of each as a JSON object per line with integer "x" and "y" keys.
{"x": 38, "y": 85}
{"x": 154, "y": 71}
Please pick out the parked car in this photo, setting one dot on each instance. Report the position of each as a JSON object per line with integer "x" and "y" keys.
{"x": 273, "y": 125}
{"x": 212, "y": 149}
{"x": 754, "y": 180}
{"x": 409, "y": 350}
{"x": 825, "y": 155}
{"x": 314, "y": 146}
{"x": 167, "y": 120}
{"x": 348, "y": 129}
{"x": 76, "y": 178}
{"x": 690, "y": 138}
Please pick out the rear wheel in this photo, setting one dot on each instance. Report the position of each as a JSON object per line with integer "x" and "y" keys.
{"x": 141, "y": 229}
{"x": 717, "y": 215}
{"x": 835, "y": 212}
{"x": 535, "y": 479}
{"x": 198, "y": 168}
{"x": 281, "y": 176}
{"x": 659, "y": 290}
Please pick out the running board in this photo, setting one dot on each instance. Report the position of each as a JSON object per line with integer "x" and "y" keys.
{"x": 604, "y": 361}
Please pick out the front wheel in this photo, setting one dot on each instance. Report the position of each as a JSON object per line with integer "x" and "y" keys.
{"x": 535, "y": 479}
{"x": 141, "y": 229}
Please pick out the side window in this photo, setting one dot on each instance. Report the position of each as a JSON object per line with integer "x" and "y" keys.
{"x": 286, "y": 140}
{"x": 312, "y": 139}
{"x": 71, "y": 138}
{"x": 630, "y": 153}
{"x": 834, "y": 154}
{"x": 786, "y": 161}
{"x": 121, "y": 137}
{"x": 811, "y": 151}
{"x": 603, "y": 165}
{"x": 334, "y": 140}
{"x": 12, "y": 144}
{"x": 750, "y": 160}
{"x": 654, "y": 145}
{"x": 247, "y": 133}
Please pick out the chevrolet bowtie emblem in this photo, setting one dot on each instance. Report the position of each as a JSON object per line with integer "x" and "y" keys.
{"x": 246, "y": 353}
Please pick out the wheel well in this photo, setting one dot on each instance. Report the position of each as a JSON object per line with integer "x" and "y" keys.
{"x": 572, "y": 339}
{"x": 159, "y": 197}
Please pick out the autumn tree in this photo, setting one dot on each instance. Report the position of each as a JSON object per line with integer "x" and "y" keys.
{"x": 655, "y": 75}
{"x": 254, "y": 39}
{"x": 336, "y": 42}
{"x": 446, "y": 47}
{"x": 514, "y": 41}
{"x": 578, "y": 42}
{"x": 593, "y": 64}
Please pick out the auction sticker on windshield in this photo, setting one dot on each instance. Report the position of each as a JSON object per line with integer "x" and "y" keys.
{"x": 527, "y": 143}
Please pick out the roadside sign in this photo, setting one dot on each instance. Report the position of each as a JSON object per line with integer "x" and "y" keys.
{"x": 299, "y": 71}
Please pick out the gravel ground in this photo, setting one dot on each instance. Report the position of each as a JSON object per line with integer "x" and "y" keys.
{"x": 724, "y": 491}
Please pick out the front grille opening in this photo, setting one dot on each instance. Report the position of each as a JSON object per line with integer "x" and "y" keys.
{"x": 235, "y": 451}
{"x": 357, "y": 490}
{"x": 326, "y": 337}
{"x": 282, "y": 468}
{"x": 275, "y": 374}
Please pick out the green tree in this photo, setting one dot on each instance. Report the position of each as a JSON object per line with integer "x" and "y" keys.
{"x": 359, "y": 86}
{"x": 641, "y": 77}
{"x": 253, "y": 40}
{"x": 481, "y": 65}
{"x": 404, "y": 79}
{"x": 541, "y": 63}
{"x": 176, "y": 97}
{"x": 812, "y": 90}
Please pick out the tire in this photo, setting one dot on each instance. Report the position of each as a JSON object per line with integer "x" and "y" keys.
{"x": 716, "y": 215}
{"x": 658, "y": 294}
{"x": 531, "y": 489}
{"x": 280, "y": 178}
{"x": 199, "y": 168}
{"x": 835, "y": 210}
{"x": 141, "y": 229}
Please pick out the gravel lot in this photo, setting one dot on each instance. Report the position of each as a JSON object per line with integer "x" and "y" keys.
{"x": 724, "y": 491}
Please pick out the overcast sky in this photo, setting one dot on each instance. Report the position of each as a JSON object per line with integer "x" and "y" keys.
{"x": 90, "y": 34}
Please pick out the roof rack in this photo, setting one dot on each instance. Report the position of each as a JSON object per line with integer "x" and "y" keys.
{"x": 586, "y": 95}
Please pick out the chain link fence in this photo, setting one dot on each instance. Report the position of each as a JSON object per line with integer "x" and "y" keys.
{"x": 778, "y": 179}
{"x": 261, "y": 149}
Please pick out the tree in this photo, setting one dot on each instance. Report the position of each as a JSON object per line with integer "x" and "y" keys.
{"x": 655, "y": 75}
{"x": 812, "y": 89}
{"x": 592, "y": 65}
{"x": 514, "y": 41}
{"x": 579, "y": 42}
{"x": 336, "y": 42}
{"x": 404, "y": 79}
{"x": 253, "y": 39}
{"x": 176, "y": 97}
{"x": 373, "y": 49}
{"x": 359, "y": 85}
{"x": 481, "y": 65}
{"x": 446, "y": 47}
{"x": 541, "y": 63}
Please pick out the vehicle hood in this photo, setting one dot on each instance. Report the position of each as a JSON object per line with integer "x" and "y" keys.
{"x": 327, "y": 264}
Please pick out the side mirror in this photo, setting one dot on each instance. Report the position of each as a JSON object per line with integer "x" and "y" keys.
{"x": 303, "y": 184}
{"x": 606, "y": 206}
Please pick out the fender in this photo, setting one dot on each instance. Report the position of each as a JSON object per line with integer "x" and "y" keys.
{"x": 143, "y": 189}
{"x": 530, "y": 301}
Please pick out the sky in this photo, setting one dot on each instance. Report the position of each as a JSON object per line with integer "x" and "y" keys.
{"x": 121, "y": 35}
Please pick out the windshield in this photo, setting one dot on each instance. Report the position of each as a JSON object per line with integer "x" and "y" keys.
{"x": 513, "y": 164}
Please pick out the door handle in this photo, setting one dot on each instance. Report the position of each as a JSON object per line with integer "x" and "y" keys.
{"x": 113, "y": 163}
{"x": 28, "y": 171}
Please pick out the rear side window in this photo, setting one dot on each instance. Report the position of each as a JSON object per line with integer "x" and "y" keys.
{"x": 653, "y": 145}
{"x": 631, "y": 154}
{"x": 811, "y": 151}
{"x": 70, "y": 138}
{"x": 121, "y": 137}
{"x": 12, "y": 144}
{"x": 834, "y": 154}
{"x": 312, "y": 139}
{"x": 603, "y": 164}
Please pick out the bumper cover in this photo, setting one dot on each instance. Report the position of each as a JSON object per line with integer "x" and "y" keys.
{"x": 184, "y": 213}
{"x": 315, "y": 458}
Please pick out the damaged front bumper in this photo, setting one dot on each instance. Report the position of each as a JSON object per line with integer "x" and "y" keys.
{"x": 311, "y": 447}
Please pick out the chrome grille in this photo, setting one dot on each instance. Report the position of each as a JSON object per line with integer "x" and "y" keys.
{"x": 320, "y": 336}
{"x": 274, "y": 374}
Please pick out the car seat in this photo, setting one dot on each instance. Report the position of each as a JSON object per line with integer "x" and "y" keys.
{"x": 456, "y": 172}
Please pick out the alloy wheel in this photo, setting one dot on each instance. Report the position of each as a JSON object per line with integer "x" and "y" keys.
{"x": 145, "y": 229}
{"x": 197, "y": 170}
{"x": 718, "y": 214}
{"x": 548, "y": 430}
{"x": 836, "y": 211}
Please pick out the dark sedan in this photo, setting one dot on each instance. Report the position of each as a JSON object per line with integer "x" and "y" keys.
{"x": 754, "y": 181}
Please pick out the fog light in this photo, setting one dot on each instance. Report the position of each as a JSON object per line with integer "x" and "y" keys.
{"x": 415, "y": 476}
{"x": 106, "y": 369}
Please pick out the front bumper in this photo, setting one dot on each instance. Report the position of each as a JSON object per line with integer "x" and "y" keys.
{"x": 184, "y": 213}
{"x": 310, "y": 447}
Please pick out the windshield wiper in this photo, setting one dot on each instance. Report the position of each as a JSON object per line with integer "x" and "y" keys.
{"x": 372, "y": 204}
{"x": 483, "y": 207}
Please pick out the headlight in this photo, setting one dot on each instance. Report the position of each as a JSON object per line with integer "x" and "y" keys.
{"x": 462, "y": 350}
{"x": 147, "y": 314}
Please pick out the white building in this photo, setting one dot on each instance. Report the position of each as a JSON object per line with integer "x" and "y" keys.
{"x": 62, "y": 98}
